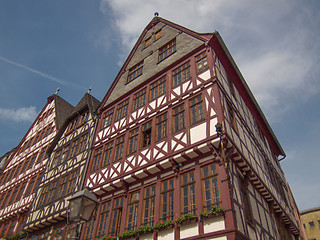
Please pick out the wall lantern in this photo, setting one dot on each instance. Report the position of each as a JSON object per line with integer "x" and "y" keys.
{"x": 82, "y": 205}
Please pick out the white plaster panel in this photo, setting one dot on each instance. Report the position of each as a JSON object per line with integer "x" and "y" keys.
{"x": 148, "y": 236}
{"x": 188, "y": 230}
{"x": 213, "y": 123}
{"x": 239, "y": 219}
{"x": 206, "y": 75}
{"x": 198, "y": 133}
{"x": 213, "y": 224}
{"x": 166, "y": 234}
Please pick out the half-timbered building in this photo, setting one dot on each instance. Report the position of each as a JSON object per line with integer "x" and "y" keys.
{"x": 180, "y": 137}
{"x": 23, "y": 169}
{"x": 64, "y": 175}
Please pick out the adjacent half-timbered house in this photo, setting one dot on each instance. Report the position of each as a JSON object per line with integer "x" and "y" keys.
{"x": 22, "y": 171}
{"x": 161, "y": 166}
{"x": 64, "y": 175}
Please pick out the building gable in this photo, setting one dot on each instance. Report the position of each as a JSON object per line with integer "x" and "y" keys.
{"x": 145, "y": 57}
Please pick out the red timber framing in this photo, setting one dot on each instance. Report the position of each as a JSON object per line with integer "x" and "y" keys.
{"x": 165, "y": 140}
{"x": 68, "y": 156}
{"x": 22, "y": 172}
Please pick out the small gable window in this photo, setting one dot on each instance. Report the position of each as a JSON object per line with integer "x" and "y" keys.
{"x": 201, "y": 62}
{"x": 148, "y": 42}
{"x": 135, "y": 71}
{"x": 158, "y": 35}
{"x": 166, "y": 50}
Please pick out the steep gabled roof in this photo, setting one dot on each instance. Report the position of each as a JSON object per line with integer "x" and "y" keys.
{"x": 201, "y": 38}
{"x": 87, "y": 102}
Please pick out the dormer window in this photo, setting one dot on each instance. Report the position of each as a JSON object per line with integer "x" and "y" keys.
{"x": 166, "y": 50}
{"x": 135, "y": 71}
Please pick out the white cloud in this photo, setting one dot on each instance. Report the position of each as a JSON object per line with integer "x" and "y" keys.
{"x": 274, "y": 43}
{"x": 19, "y": 115}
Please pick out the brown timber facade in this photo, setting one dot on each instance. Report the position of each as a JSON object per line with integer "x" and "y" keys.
{"x": 22, "y": 172}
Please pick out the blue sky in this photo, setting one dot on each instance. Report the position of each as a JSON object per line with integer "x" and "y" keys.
{"x": 75, "y": 44}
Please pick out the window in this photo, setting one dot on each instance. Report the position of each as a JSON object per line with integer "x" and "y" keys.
{"x": 146, "y": 134}
{"x": 139, "y": 99}
{"x": 232, "y": 118}
{"x": 133, "y": 207}
{"x": 133, "y": 141}
{"x": 74, "y": 148}
{"x": 122, "y": 109}
{"x": 158, "y": 35}
{"x": 102, "y": 225}
{"x": 135, "y": 71}
{"x": 44, "y": 195}
{"x": 89, "y": 227}
{"x": 83, "y": 141}
{"x": 41, "y": 155}
{"x": 196, "y": 109}
{"x": 166, "y": 210}
{"x": 148, "y": 205}
{"x": 107, "y": 154}
{"x": 32, "y": 160}
{"x": 181, "y": 74}
{"x": 161, "y": 127}
{"x": 158, "y": 88}
{"x": 72, "y": 181}
{"x": 96, "y": 159}
{"x": 107, "y": 118}
{"x": 246, "y": 203}
{"x": 210, "y": 188}
{"x": 56, "y": 159}
{"x": 201, "y": 62}
{"x": 116, "y": 217}
{"x": 62, "y": 187}
{"x": 166, "y": 50}
{"x": 188, "y": 196}
{"x": 65, "y": 153}
{"x": 30, "y": 187}
{"x": 178, "y": 118}
{"x": 148, "y": 42}
{"x": 51, "y": 191}
{"x": 119, "y": 148}
{"x": 311, "y": 224}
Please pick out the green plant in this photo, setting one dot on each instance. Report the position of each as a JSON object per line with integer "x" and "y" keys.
{"x": 162, "y": 224}
{"x": 214, "y": 210}
{"x": 17, "y": 236}
{"x": 127, "y": 234}
{"x": 187, "y": 216}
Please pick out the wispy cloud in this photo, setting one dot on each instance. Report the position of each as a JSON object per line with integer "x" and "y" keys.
{"x": 33, "y": 70}
{"x": 19, "y": 115}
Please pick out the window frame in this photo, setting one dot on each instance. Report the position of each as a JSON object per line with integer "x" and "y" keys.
{"x": 214, "y": 189}
{"x": 132, "y": 211}
{"x": 167, "y": 203}
{"x": 139, "y": 99}
{"x": 107, "y": 154}
{"x": 190, "y": 186}
{"x": 149, "y": 202}
{"x": 181, "y": 74}
{"x": 161, "y": 127}
{"x": 196, "y": 109}
{"x": 178, "y": 116}
{"x": 122, "y": 109}
{"x": 133, "y": 141}
{"x": 146, "y": 134}
{"x": 157, "y": 88}
{"x": 201, "y": 58}
{"x": 135, "y": 71}
{"x": 167, "y": 50}
{"x": 107, "y": 118}
{"x": 119, "y": 145}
